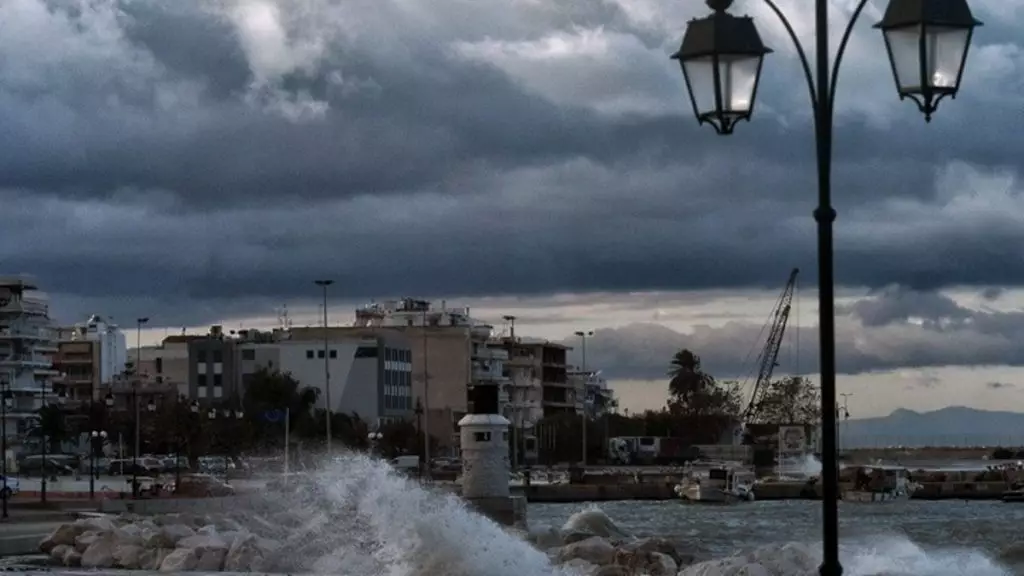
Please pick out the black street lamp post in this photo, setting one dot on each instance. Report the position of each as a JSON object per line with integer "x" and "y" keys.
{"x": 374, "y": 438}
{"x": 721, "y": 55}
{"x": 419, "y": 430}
{"x": 97, "y": 439}
{"x": 5, "y": 406}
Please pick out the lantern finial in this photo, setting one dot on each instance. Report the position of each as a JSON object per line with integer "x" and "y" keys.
{"x": 719, "y": 5}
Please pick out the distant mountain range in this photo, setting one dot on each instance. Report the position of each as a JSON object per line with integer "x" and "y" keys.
{"x": 953, "y": 426}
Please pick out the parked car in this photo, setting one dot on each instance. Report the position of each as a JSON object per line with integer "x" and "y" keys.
{"x": 9, "y": 486}
{"x": 200, "y": 485}
{"x": 53, "y": 466}
{"x": 142, "y": 467}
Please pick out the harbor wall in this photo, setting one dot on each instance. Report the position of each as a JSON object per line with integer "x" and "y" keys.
{"x": 565, "y": 493}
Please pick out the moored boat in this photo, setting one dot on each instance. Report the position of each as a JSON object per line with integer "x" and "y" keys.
{"x": 718, "y": 486}
{"x": 880, "y": 484}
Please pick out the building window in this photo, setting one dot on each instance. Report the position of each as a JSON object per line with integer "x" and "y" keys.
{"x": 201, "y": 380}
{"x": 334, "y": 353}
{"x": 366, "y": 352}
{"x": 201, "y": 356}
{"x": 320, "y": 354}
{"x": 249, "y": 354}
{"x": 201, "y": 392}
{"x": 159, "y": 365}
{"x": 482, "y": 436}
{"x": 309, "y": 354}
{"x": 218, "y": 356}
{"x": 218, "y": 380}
{"x": 218, "y": 392}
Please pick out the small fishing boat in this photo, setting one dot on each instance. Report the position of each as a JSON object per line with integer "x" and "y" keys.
{"x": 718, "y": 486}
{"x": 880, "y": 484}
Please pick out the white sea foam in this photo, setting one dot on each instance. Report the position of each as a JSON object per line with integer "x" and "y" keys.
{"x": 368, "y": 521}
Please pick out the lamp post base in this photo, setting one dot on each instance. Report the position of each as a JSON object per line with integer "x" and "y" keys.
{"x": 830, "y": 569}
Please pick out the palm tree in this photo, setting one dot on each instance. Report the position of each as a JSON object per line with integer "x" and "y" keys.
{"x": 52, "y": 427}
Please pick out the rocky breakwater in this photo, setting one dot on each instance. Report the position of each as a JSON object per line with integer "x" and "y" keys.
{"x": 178, "y": 543}
{"x": 590, "y": 544}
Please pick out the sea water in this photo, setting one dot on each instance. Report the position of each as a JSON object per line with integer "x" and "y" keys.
{"x": 358, "y": 517}
{"x": 373, "y": 522}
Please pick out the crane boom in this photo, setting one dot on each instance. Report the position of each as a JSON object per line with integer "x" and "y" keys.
{"x": 769, "y": 357}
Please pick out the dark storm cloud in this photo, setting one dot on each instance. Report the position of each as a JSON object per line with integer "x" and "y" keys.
{"x": 205, "y": 152}
{"x": 908, "y": 335}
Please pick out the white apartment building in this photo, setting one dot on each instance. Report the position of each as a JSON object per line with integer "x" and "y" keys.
{"x": 370, "y": 377}
{"x": 112, "y": 345}
{"x": 591, "y": 391}
{"x": 27, "y": 346}
{"x": 525, "y": 389}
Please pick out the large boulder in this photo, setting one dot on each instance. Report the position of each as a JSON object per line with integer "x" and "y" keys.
{"x": 203, "y": 541}
{"x": 595, "y": 522}
{"x": 100, "y": 553}
{"x": 247, "y": 555}
{"x": 86, "y": 539}
{"x": 180, "y": 560}
{"x": 628, "y": 552}
{"x": 151, "y": 559}
{"x": 595, "y": 550}
{"x": 126, "y": 555}
{"x": 63, "y": 535}
{"x": 211, "y": 560}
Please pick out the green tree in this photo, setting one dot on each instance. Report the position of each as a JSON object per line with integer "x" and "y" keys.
{"x": 273, "y": 390}
{"x": 790, "y": 400}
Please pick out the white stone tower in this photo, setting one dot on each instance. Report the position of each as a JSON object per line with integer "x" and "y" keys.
{"x": 485, "y": 463}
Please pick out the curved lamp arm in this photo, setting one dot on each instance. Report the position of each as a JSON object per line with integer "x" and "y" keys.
{"x": 839, "y": 54}
{"x": 799, "y": 51}
{"x": 818, "y": 99}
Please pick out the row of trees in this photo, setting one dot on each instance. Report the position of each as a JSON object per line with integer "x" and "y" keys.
{"x": 178, "y": 426}
{"x": 702, "y": 408}
{"x": 699, "y": 410}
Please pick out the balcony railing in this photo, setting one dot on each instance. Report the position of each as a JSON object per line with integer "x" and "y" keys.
{"x": 25, "y": 360}
{"x": 25, "y": 307}
{"x": 26, "y": 334}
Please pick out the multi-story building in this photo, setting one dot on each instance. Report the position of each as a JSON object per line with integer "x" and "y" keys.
{"x": 591, "y": 391}
{"x": 540, "y": 382}
{"x": 525, "y": 390}
{"x": 90, "y": 355}
{"x": 168, "y": 362}
{"x": 370, "y": 375}
{"x": 79, "y": 363}
{"x": 27, "y": 346}
{"x": 212, "y": 370}
{"x": 111, "y": 351}
{"x": 449, "y": 355}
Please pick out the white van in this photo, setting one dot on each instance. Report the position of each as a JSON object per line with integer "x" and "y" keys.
{"x": 408, "y": 463}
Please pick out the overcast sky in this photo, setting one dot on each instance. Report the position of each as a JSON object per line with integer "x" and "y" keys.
{"x": 200, "y": 162}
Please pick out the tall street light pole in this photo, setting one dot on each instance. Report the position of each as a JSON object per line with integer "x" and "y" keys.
{"x": 517, "y": 404}
{"x": 721, "y": 55}
{"x": 583, "y": 351}
{"x": 426, "y": 398}
{"x": 135, "y": 402}
{"x": 327, "y": 365}
{"x": 8, "y": 403}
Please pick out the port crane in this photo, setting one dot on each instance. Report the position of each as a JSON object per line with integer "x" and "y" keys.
{"x": 768, "y": 359}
